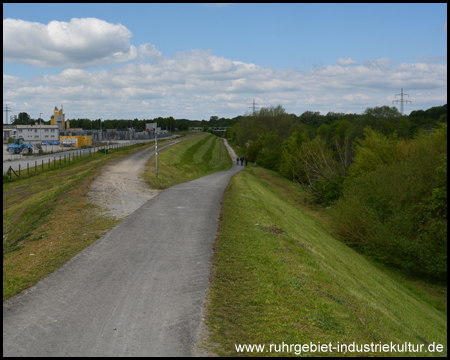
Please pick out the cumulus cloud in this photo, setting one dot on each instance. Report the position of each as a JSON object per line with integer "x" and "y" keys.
{"x": 80, "y": 43}
{"x": 198, "y": 82}
{"x": 345, "y": 62}
{"x": 149, "y": 51}
{"x": 423, "y": 58}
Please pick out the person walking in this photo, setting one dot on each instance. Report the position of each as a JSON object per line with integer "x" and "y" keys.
{"x": 237, "y": 161}
{"x": 246, "y": 160}
{"x": 242, "y": 160}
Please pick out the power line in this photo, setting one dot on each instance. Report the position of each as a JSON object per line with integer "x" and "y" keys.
{"x": 401, "y": 101}
{"x": 6, "y": 108}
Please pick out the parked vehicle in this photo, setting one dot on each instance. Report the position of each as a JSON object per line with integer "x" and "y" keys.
{"x": 18, "y": 146}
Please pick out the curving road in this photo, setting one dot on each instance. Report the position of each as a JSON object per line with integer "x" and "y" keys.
{"x": 137, "y": 291}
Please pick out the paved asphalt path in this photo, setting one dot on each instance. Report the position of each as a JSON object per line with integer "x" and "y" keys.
{"x": 137, "y": 291}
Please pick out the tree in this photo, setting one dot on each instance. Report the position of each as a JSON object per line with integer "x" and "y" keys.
{"x": 270, "y": 151}
{"x": 322, "y": 169}
{"x": 108, "y": 124}
{"x": 170, "y": 123}
{"x": 87, "y": 124}
{"x": 24, "y": 119}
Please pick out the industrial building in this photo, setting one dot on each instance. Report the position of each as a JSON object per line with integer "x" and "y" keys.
{"x": 33, "y": 133}
{"x": 59, "y": 119}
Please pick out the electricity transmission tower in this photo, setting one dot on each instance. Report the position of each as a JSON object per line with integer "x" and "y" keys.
{"x": 254, "y": 107}
{"x": 6, "y": 108}
{"x": 401, "y": 101}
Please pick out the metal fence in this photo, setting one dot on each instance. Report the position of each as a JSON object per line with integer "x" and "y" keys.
{"x": 61, "y": 159}
{"x": 114, "y": 134}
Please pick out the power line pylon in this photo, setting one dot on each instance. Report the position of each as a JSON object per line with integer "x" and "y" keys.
{"x": 401, "y": 101}
{"x": 254, "y": 107}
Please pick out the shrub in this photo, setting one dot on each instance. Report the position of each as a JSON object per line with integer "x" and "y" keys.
{"x": 397, "y": 212}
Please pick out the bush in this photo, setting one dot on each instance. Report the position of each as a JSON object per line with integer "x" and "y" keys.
{"x": 270, "y": 153}
{"x": 253, "y": 150}
{"x": 397, "y": 213}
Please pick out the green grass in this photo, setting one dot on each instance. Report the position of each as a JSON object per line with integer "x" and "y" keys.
{"x": 42, "y": 216}
{"x": 278, "y": 276}
{"x": 198, "y": 156}
{"x": 237, "y": 149}
{"x": 42, "y": 212}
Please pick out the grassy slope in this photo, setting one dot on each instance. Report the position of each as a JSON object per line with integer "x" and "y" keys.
{"x": 42, "y": 213}
{"x": 279, "y": 276}
{"x": 203, "y": 155}
{"x": 42, "y": 216}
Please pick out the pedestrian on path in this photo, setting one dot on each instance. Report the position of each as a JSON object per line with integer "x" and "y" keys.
{"x": 246, "y": 160}
{"x": 237, "y": 161}
{"x": 242, "y": 160}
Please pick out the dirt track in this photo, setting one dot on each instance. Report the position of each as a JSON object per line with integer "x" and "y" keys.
{"x": 119, "y": 189}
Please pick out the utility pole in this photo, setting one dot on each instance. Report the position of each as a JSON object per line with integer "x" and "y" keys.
{"x": 6, "y": 108}
{"x": 401, "y": 101}
{"x": 254, "y": 108}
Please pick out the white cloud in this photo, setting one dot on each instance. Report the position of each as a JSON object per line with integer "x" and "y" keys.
{"x": 423, "y": 58}
{"x": 354, "y": 97}
{"x": 149, "y": 51}
{"x": 444, "y": 27}
{"x": 198, "y": 82}
{"x": 349, "y": 61}
{"x": 80, "y": 43}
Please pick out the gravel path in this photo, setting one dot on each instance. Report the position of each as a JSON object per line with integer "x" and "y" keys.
{"x": 119, "y": 189}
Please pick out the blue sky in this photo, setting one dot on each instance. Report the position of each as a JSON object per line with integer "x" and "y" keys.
{"x": 198, "y": 60}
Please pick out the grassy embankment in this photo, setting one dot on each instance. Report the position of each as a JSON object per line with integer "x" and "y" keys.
{"x": 47, "y": 219}
{"x": 204, "y": 155}
{"x": 278, "y": 276}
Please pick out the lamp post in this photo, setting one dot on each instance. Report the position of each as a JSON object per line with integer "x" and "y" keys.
{"x": 40, "y": 115}
{"x": 156, "y": 149}
{"x": 102, "y": 134}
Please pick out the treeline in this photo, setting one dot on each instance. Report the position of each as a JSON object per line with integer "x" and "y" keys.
{"x": 167, "y": 123}
{"x": 382, "y": 173}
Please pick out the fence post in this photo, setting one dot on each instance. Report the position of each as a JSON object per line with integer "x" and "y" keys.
{"x": 49, "y": 163}
{"x": 64, "y": 158}
{"x": 19, "y": 169}
{"x": 28, "y": 168}
{"x": 35, "y": 166}
{"x": 59, "y": 160}
{"x": 54, "y": 160}
{"x": 42, "y": 164}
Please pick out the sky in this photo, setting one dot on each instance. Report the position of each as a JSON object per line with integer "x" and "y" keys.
{"x": 194, "y": 61}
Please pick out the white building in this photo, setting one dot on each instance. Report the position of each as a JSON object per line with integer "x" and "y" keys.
{"x": 36, "y": 133}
